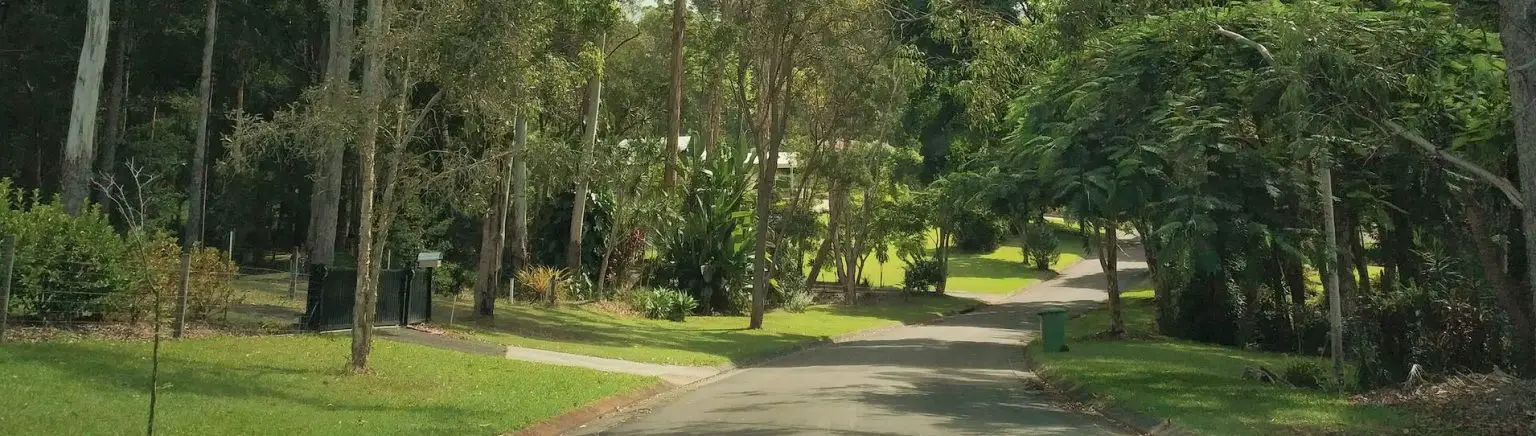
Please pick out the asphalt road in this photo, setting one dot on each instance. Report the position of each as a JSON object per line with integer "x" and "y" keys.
{"x": 962, "y": 376}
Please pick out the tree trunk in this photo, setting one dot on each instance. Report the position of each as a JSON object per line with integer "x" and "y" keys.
{"x": 711, "y": 133}
{"x": 485, "y": 284}
{"x": 80, "y": 148}
{"x": 1505, "y": 288}
{"x": 520, "y": 196}
{"x": 325, "y": 196}
{"x": 1109, "y": 252}
{"x": 1330, "y": 270}
{"x": 503, "y": 206}
{"x": 675, "y": 90}
{"x": 193, "y": 229}
{"x": 781, "y": 83}
{"x": 373, "y": 92}
{"x": 828, "y": 245}
{"x": 1160, "y": 292}
{"x": 602, "y": 272}
{"x": 1345, "y": 257}
{"x": 115, "y": 97}
{"x": 588, "y": 142}
{"x": 943, "y": 257}
{"x": 1518, "y": 32}
{"x": 485, "y": 288}
{"x": 1362, "y": 264}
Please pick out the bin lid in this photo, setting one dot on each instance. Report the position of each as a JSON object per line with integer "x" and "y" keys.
{"x": 1051, "y": 310}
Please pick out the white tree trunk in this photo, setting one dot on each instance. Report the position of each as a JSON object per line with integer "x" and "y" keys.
{"x": 325, "y": 198}
{"x": 1331, "y": 269}
{"x": 80, "y": 148}
{"x": 588, "y": 142}
{"x": 193, "y": 229}
{"x": 520, "y": 196}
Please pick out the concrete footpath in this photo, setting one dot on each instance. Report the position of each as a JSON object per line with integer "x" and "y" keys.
{"x": 677, "y": 375}
{"x": 961, "y": 376}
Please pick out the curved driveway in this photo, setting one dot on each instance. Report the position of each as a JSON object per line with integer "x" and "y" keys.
{"x": 962, "y": 376}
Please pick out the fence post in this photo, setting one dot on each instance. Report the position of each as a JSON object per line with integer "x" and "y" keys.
{"x": 6, "y": 266}
{"x": 293, "y": 274}
{"x": 181, "y": 301}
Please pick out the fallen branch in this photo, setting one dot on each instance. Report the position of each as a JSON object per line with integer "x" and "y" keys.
{"x": 1263, "y": 51}
{"x": 1492, "y": 179}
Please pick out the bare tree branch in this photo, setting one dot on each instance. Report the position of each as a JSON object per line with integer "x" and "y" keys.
{"x": 1263, "y": 51}
{"x": 1493, "y": 179}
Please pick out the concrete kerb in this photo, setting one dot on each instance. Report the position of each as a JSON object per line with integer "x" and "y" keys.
{"x": 584, "y": 414}
{"x": 617, "y": 405}
{"x": 1132, "y": 419}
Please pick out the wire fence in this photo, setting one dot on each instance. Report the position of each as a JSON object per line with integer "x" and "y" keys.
{"x": 88, "y": 300}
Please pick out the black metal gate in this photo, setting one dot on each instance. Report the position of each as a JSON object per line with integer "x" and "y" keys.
{"x": 404, "y": 297}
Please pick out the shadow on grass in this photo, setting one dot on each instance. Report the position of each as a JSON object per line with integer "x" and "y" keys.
{"x": 582, "y": 326}
{"x": 1201, "y": 386}
{"x": 723, "y": 337}
{"x": 964, "y": 266}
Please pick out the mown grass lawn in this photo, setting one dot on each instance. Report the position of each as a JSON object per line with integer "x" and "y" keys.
{"x": 283, "y": 385}
{"x": 1002, "y": 271}
{"x": 699, "y": 341}
{"x": 1200, "y": 386}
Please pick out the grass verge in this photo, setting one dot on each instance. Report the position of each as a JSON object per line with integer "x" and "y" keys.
{"x": 699, "y": 341}
{"x": 1199, "y": 386}
{"x": 283, "y": 385}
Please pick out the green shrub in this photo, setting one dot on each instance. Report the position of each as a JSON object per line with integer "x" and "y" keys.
{"x": 1306, "y": 374}
{"x": 451, "y": 279}
{"x": 154, "y": 263}
{"x": 1041, "y": 244}
{"x": 923, "y": 275}
{"x": 662, "y": 303}
{"x": 798, "y": 301}
{"x": 977, "y": 233}
{"x": 66, "y": 267}
{"x": 543, "y": 284}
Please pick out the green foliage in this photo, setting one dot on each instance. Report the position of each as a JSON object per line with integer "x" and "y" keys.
{"x": 797, "y": 301}
{"x": 663, "y": 303}
{"x": 450, "y": 278}
{"x": 1151, "y": 119}
{"x": 708, "y": 254}
{"x": 550, "y": 230}
{"x": 924, "y": 275}
{"x": 154, "y": 262}
{"x": 66, "y": 267}
{"x": 543, "y": 282}
{"x": 1306, "y": 374}
{"x": 1042, "y": 245}
{"x": 977, "y": 232}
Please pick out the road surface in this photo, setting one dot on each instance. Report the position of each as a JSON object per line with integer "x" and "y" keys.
{"x": 962, "y": 376}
